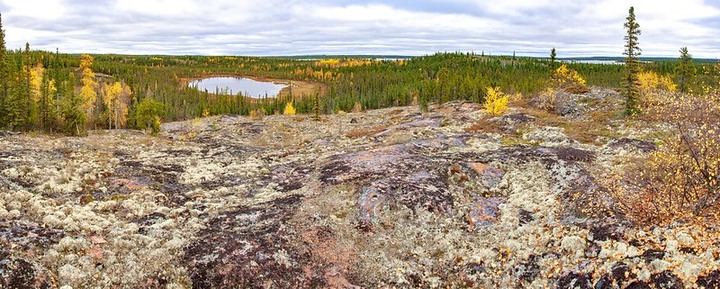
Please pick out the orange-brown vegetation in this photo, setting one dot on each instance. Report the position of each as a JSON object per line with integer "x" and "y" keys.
{"x": 363, "y": 132}
{"x": 680, "y": 181}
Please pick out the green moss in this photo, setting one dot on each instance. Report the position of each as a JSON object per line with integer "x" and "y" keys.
{"x": 513, "y": 140}
{"x": 118, "y": 197}
{"x": 86, "y": 199}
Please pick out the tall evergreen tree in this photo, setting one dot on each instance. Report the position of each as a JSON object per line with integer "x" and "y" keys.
{"x": 685, "y": 71}
{"x": 630, "y": 85}
{"x": 553, "y": 58}
{"x": 17, "y": 103}
{"x": 27, "y": 102}
{"x": 74, "y": 118}
{"x": 4, "y": 77}
{"x": 46, "y": 103}
{"x": 316, "y": 106}
{"x": 59, "y": 77}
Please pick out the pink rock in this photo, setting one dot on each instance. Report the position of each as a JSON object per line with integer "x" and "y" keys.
{"x": 490, "y": 176}
{"x": 485, "y": 212}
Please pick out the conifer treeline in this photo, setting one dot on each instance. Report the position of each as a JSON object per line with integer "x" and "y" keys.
{"x": 43, "y": 91}
{"x": 374, "y": 84}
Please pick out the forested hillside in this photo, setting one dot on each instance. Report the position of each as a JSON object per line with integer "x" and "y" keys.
{"x": 54, "y": 92}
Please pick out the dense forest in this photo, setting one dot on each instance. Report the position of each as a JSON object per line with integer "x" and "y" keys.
{"x": 54, "y": 92}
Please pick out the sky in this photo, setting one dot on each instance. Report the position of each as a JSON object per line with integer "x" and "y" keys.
{"x": 341, "y": 27}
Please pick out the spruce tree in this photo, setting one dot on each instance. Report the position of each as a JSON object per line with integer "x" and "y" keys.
{"x": 16, "y": 105}
{"x": 59, "y": 77}
{"x": 630, "y": 84}
{"x": 46, "y": 105}
{"x": 553, "y": 58}
{"x": 73, "y": 116}
{"x": 685, "y": 71}
{"x": 316, "y": 106}
{"x": 4, "y": 77}
{"x": 28, "y": 103}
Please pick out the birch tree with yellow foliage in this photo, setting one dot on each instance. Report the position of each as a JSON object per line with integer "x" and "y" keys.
{"x": 650, "y": 85}
{"x": 88, "y": 92}
{"x": 116, "y": 99}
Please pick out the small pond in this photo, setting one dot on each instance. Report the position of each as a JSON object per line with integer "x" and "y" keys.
{"x": 234, "y": 85}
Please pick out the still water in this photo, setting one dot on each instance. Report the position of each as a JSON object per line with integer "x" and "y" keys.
{"x": 235, "y": 85}
{"x": 593, "y": 61}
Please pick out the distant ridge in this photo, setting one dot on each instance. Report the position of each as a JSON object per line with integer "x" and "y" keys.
{"x": 326, "y": 56}
{"x": 622, "y": 59}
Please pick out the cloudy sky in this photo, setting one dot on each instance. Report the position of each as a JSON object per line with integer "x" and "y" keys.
{"x": 397, "y": 27}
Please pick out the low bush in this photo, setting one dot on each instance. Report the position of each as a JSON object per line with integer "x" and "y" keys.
{"x": 148, "y": 114}
{"x": 680, "y": 181}
{"x": 563, "y": 81}
{"x": 485, "y": 125}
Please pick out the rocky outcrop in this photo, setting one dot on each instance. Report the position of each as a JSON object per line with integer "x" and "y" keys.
{"x": 286, "y": 202}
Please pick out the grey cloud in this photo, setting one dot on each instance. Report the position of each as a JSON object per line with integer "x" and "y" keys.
{"x": 274, "y": 27}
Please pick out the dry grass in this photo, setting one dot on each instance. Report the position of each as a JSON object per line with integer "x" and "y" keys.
{"x": 485, "y": 125}
{"x": 584, "y": 131}
{"x": 589, "y": 132}
{"x": 301, "y": 88}
{"x": 396, "y": 112}
{"x": 363, "y": 132}
{"x": 577, "y": 89}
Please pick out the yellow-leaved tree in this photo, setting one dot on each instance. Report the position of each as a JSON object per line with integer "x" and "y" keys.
{"x": 495, "y": 101}
{"x": 110, "y": 99}
{"x": 563, "y": 80}
{"x": 569, "y": 80}
{"x": 650, "y": 83}
{"x": 35, "y": 79}
{"x": 116, "y": 99}
{"x": 88, "y": 91}
{"x": 289, "y": 109}
{"x": 36, "y": 75}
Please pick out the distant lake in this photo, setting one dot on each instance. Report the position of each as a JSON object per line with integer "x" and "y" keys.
{"x": 234, "y": 85}
{"x": 592, "y": 61}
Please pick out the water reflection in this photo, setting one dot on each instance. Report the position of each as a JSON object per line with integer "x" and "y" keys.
{"x": 234, "y": 85}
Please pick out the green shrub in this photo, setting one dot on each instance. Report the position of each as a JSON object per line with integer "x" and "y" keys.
{"x": 148, "y": 114}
